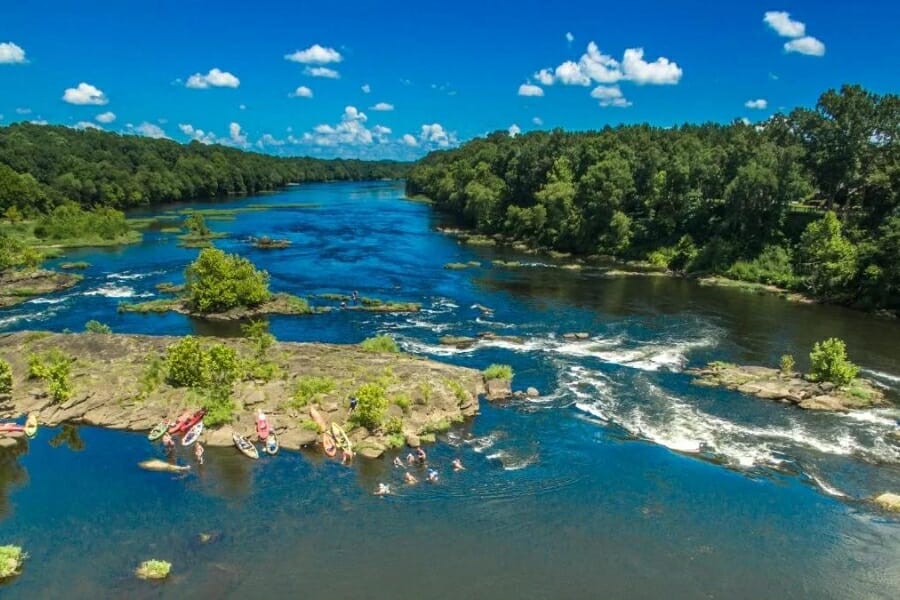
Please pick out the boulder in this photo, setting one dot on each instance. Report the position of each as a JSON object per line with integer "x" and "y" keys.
{"x": 582, "y": 335}
{"x": 889, "y": 501}
{"x": 296, "y": 438}
{"x": 371, "y": 451}
{"x": 412, "y": 440}
{"x": 218, "y": 437}
{"x": 532, "y": 392}
{"x": 459, "y": 341}
{"x": 8, "y": 442}
{"x": 497, "y": 389}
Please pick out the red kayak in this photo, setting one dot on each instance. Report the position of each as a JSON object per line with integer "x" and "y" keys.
{"x": 178, "y": 424}
{"x": 11, "y": 428}
{"x": 190, "y": 422}
{"x": 262, "y": 425}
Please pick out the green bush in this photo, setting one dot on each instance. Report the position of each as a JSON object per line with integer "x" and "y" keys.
{"x": 70, "y": 221}
{"x": 402, "y": 400}
{"x": 309, "y": 387}
{"x": 219, "y": 406}
{"x": 5, "y": 377}
{"x": 496, "y": 371}
{"x": 217, "y": 282}
{"x": 53, "y": 367}
{"x": 185, "y": 363}
{"x": 16, "y": 255}
{"x": 829, "y": 362}
{"x": 153, "y": 569}
{"x": 380, "y": 343}
{"x": 393, "y": 425}
{"x": 11, "y": 560}
{"x": 93, "y": 326}
{"x": 773, "y": 266}
{"x": 196, "y": 224}
{"x": 787, "y": 364}
{"x": 372, "y": 405}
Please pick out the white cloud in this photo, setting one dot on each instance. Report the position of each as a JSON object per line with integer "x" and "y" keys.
{"x": 38, "y": 121}
{"x": 237, "y": 136}
{"x": 315, "y": 55}
{"x": 537, "y": 121}
{"x": 806, "y": 45}
{"x": 351, "y": 130}
{"x": 610, "y": 96}
{"x": 600, "y": 67}
{"x": 11, "y": 54}
{"x": 528, "y": 89}
{"x": 383, "y": 106}
{"x": 436, "y": 135}
{"x": 782, "y": 23}
{"x": 150, "y": 130}
{"x": 23, "y": 111}
{"x": 514, "y": 130}
{"x": 85, "y": 93}
{"x": 322, "y": 72}
{"x": 215, "y": 78}
{"x": 759, "y": 104}
{"x": 242, "y": 106}
{"x": 198, "y": 134}
{"x": 570, "y": 37}
{"x": 569, "y": 73}
{"x": 409, "y": 140}
{"x": 366, "y": 88}
{"x": 659, "y": 72}
{"x": 302, "y": 92}
{"x": 269, "y": 140}
{"x": 107, "y": 117}
{"x": 87, "y": 125}
{"x": 544, "y": 76}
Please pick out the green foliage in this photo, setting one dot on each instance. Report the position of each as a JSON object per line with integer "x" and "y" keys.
{"x": 454, "y": 266}
{"x": 827, "y": 259}
{"x": 196, "y": 225}
{"x": 78, "y": 265}
{"x": 53, "y": 367}
{"x": 14, "y": 254}
{"x": 309, "y": 425}
{"x": 403, "y": 401}
{"x": 258, "y": 366}
{"x": 426, "y": 393}
{"x": 219, "y": 406}
{"x": 829, "y": 362}
{"x": 381, "y": 343}
{"x": 394, "y": 441}
{"x": 70, "y": 221}
{"x": 153, "y": 375}
{"x": 372, "y": 406}
{"x": 309, "y": 388}
{"x": 393, "y": 425}
{"x": 6, "y": 381}
{"x": 93, "y": 326}
{"x": 787, "y": 364}
{"x": 217, "y": 282}
{"x": 772, "y": 267}
{"x": 496, "y": 371}
{"x": 11, "y": 560}
{"x": 153, "y": 569}
{"x": 190, "y": 364}
{"x": 460, "y": 392}
{"x": 437, "y": 426}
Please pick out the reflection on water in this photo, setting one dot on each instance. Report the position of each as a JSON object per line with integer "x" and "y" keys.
{"x": 12, "y": 474}
{"x": 69, "y": 437}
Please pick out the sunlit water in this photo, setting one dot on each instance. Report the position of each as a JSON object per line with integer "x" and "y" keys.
{"x": 622, "y": 480}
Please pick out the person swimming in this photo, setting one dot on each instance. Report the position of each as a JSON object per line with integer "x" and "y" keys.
{"x": 421, "y": 456}
{"x": 457, "y": 465}
{"x": 383, "y": 489}
{"x": 432, "y": 476}
{"x": 398, "y": 462}
{"x": 410, "y": 479}
{"x": 410, "y": 458}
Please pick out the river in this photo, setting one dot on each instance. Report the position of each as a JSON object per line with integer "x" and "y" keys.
{"x": 580, "y": 493}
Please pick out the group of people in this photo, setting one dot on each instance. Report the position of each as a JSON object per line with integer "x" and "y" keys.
{"x": 419, "y": 458}
{"x": 354, "y": 299}
{"x": 169, "y": 444}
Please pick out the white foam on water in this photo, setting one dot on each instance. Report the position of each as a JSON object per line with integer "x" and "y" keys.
{"x": 511, "y": 462}
{"x": 882, "y": 375}
{"x": 481, "y": 444}
{"x": 830, "y": 490}
{"x": 127, "y": 275}
{"x": 113, "y": 291}
{"x": 28, "y": 317}
{"x": 47, "y": 300}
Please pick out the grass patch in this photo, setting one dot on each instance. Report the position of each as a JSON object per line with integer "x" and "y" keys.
{"x": 53, "y": 368}
{"x": 309, "y": 425}
{"x": 153, "y": 569}
{"x": 480, "y": 240}
{"x": 859, "y": 392}
{"x": 437, "y": 426}
{"x": 93, "y": 326}
{"x": 169, "y": 287}
{"x": 497, "y": 371}
{"x": 73, "y": 266}
{"x": 380, "y": 343}
{"x": 309, "y": 388}
{"x": 455, "y": 266}
{"x": 170, "y": 230}
{"x": 11, "y": 560}
{"x": 510, "y": 264}
{"x": 403, "y": 401}
{"x": 160, "y": 305}
{"x": 426, "y": 393}
{"x": 395, "y": 441}
{"x": 334, "y": 297}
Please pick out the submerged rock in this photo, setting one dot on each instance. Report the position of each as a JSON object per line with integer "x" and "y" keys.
{"x": 155, "y": 464}
{"x": 889, "y": 501}
{"x": 532, "y": 392}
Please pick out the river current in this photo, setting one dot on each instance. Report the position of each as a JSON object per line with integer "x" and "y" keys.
{"x": 622, "y": 480}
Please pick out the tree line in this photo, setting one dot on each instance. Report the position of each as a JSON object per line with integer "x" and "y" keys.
{"x": 808, "y": 200}
{"x": 43, "y": 166}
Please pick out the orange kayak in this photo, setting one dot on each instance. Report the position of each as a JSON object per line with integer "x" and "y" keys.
{"x": 328, "y": 444}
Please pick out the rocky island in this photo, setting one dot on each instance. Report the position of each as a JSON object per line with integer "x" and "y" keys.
{"x": 19, "y": 286}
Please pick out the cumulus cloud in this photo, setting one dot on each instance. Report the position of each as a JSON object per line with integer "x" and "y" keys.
{"x": 436, "y": 135}
{"x": 570, "y": 37}
{"x": 150, "y": 130}
{"x": 758, "y": 104}
{"x": 366, "y": 88}
{"x": 596, "y": 67}
{"x": 410, "y": 140}
{"x": 87, "y": 125}
{"x": 215, "y": 78}
{"x": 23, "y": 111}
{"x": 569, "y": 73}
{"x": 269, "y": 140}
{"x": 302, "y": 92}
{"x": 236, "y": 135}
{"x": 107, "y": 117}
{"x": 383, "y": 107}
{"x": 808, "y": 45}
{"x": 11, "y": 54}
{"x": 85, "y": 93}
{"x": 352, "y": 130}
{"x": 315, "y": 55}
{"x": 544, "y": 76}
{"x": 198, "y": 134}
{"x": 321, "y": 72}
{"x": 610, "y": 96}
{"x": 783, "y": 25}
{"x": 659, "y": 72}
{"x": 514, "y": 130}
{"x": 528, "y": 89}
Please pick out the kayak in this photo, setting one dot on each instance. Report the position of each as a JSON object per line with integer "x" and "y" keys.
{"x": 262, "y": 425}
{"x": 191, "y": 421}
{"x": 248, "y": 449}
{"x": 272, "y": 445}
{"x": 31, "y": 425}
{"x": 328, "y": 444}
{"x": 317, "y": 418}
{"x": 341, "y": 438}
{"x": 193, "y": 433}
{"x": 177, "y": 424}
{"x": 159, "y": 430}
{"x": 11, "y": 428}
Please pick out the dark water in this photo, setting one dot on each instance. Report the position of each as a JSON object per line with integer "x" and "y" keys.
{"x": 578, "y": 494}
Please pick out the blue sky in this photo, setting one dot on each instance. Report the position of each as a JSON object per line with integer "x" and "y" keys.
{"x": 309, "y": 78}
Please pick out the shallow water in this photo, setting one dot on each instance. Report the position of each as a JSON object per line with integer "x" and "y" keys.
{"x": 622, "y": 480}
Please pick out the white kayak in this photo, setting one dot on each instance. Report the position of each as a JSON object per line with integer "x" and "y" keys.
{"x": 192, "y": 435}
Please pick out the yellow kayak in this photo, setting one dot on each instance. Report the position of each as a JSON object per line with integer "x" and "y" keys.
{"x": 340, "y": 437}
{"x": 31, "y": 425}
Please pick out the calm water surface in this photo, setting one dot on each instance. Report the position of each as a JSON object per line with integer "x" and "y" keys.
{"x": 581, "y": 493}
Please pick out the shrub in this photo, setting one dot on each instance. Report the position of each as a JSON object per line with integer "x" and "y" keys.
{"x": 258, "y": 333}
{"x": 787, "y": 364}
{"x": 829, "y": 362}
{"x": 309, "y": 387}
{"x": 402, "y": 400}
{"x": 53, "y": 368}
{"x": 380, "y": 343}
{"x": 153, "y": 569}
{"x": 426, "y": 392}
{"x": 14, "y": 254}
{"x": 393, "y": 425}
{"x": 217, "y": 282}
{"x": 772, "y": 266}
{"x": 395, "y": 440}
{"x": 496, "y": 371}
{"x": 185, "y": 364}
{"x": 196, "y": 224}
{"x": 219, "y": 406}
{"x": 371, "y": 407}
{"x": 5, "y": 377}
{"x": 69, "y": 221}
{"x": 11, "y": 560}
{"x": 93, "y": 326}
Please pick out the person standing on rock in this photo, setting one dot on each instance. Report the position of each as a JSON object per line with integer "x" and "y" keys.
{"x": 198, "y": 452}
{"x": 353, "y": 402}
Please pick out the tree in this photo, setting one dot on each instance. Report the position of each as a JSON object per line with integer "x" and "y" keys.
{"x": 829, "y": 362}
{"x": 217, "y": 282}
{"x": 827, "y": 259}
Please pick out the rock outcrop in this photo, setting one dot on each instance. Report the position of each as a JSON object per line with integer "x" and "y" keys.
{"x": 889, "y": 501}
{"x": 498, "y": 389}
{"x": 20, "y": 286}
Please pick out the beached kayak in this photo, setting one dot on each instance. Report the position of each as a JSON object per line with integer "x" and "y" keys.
{"x": 11, "y": 428}
{"x": 177, "y": 425}
{"x": 317, "y": 418}
{"x": 31, "y": 425}
{"x": 328, "y": 444}
{"x": 159, "y": 430}
{"x": 272, "y": 445}
{"x": 193, "y": 434}
{"x": 191, "y": 421}
{"x": 262, "y": 425}
{"x": 340, "y": 437}
{"x": 244, "y": 446}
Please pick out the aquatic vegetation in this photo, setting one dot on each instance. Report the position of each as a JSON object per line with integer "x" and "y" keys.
{"x": 830, "y": 363}
{"x": 6, "y": 381}
{"x": 93, "y": 326}
{"x": 53, "y": 367}
{"x": 153, "y": 569}
{"x": 311, "y": 387}
{"x": 159, "y": 305}
{"x": 334, "y": 297}
{"x": 372, "y": 406}
{"x": 196, "y": 225}
{"x": 267, "y": 243}
{"x": 786, "y": 364}
{"x": 497, "y": 371}
{"x": 217, "y": 282}
{"x": 510, "y": 264}
{"x": 78, "y": 265}
{"x": 170, "y": 230}
{"x": 456, "y": 266}
{"x": 11, "y": 560}
{"x": 169, "y": 288}
{"x": 380, "y": 343}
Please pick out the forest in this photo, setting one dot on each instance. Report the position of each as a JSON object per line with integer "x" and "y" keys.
{"x": 806, "y": 200}
{"x": 42, "y": 167}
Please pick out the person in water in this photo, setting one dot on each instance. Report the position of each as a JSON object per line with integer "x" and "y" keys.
{"x": 421, "y": 456}
{"x": 168, "y": 442}
{"x": 410, "y": 459}
{"x": 410, "y": 479}
{"x": 346, "y": 457}
{"x": 383, "y": 489}
{"x": 398, "y": 462}
{"x": 432, "y": 476}
{"x": 198, "y": 452}
{"x": 457, "y": 465}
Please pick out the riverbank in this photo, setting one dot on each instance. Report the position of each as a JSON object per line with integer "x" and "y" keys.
{"x": 113, "y": 386}
{"x": 20, "y": 286}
